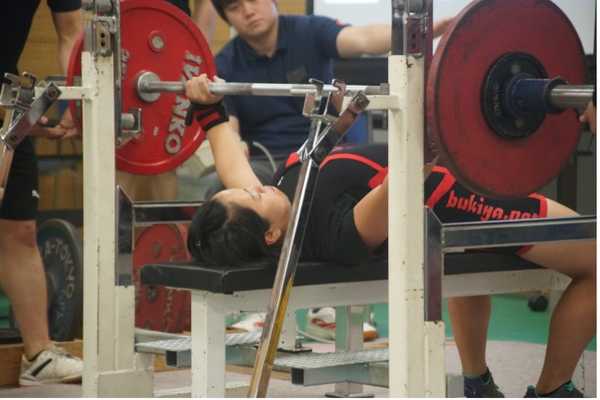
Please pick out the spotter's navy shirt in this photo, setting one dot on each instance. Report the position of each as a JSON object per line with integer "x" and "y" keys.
{"x": 306, "y": 47}
{"x": 183, "y": 5}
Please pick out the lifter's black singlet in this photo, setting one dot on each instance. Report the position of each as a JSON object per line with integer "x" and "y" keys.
{"x": 348, "y": 174}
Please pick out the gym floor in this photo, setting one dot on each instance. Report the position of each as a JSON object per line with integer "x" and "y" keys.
{"x": 517, "y": 336}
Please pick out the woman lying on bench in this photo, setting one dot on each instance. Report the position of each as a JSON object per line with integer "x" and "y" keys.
{"x": 349, "y": 223}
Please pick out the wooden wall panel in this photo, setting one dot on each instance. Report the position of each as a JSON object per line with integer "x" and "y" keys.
{"x": 39, "y": 56}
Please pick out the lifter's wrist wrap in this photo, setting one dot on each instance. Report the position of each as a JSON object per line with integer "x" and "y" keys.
{"x": 207, "y": 115}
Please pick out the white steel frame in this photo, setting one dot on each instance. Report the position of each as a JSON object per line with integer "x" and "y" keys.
{"x": 111, "y": 367}
{"x": 408, "y": 334}
{"x": 210, "y": 309}
{"x": 416, "y": 347}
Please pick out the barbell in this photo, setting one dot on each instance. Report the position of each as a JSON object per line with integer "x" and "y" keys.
{"x": 62, "y": 257}
{"x": 495, "y": 97}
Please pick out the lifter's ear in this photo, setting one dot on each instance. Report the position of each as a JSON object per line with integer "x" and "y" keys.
{"x": 272, "y": 236}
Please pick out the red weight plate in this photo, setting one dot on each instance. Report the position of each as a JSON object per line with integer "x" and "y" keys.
{"x": 428, "y": 154}
{"x": 157, "y": 307}
{"x": 73, "y": 73}
{"x": 159, "y": 38}
{"x": 481, "y": 34}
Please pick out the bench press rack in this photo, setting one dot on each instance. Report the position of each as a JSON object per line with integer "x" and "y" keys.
{"x": 217, "y": 291}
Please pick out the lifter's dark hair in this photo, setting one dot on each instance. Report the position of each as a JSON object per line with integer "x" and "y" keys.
{"x": 228, "y": 235}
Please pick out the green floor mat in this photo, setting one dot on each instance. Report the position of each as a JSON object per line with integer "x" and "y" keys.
{"x": 512, "y": 320}
{"x": 4, "y": 307}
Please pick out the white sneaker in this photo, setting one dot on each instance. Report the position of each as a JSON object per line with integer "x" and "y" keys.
{"x": 321, "y": 325}
{"x": 53, "y": 365}
{"x": 251, "y": 322}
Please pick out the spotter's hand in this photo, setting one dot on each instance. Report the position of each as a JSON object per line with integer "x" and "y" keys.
{"x": 65, "y": 129}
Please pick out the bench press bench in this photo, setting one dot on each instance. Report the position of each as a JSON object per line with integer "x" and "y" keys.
{"x": 217, "y": 291}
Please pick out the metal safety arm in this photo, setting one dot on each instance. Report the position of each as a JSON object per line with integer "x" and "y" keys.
{"x": 292, "y": 244}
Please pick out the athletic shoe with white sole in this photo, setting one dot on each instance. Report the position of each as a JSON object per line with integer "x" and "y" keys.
{"x": 53, "y": 365}
{"x": 320, "y": 324}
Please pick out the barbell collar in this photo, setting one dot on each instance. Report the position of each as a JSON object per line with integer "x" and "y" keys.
{"x": 545, "y": 95}
{"x": 526, "y": 96}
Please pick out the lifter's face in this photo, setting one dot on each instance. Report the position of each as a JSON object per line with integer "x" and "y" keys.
{"x": 252, "y": 18}
{"x": 267, "y": 201}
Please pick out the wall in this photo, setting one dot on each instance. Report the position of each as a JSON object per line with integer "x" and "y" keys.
{"x": 581, "y": 13}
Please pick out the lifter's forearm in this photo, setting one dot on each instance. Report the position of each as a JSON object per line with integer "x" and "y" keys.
{"x": 231, "y": 162}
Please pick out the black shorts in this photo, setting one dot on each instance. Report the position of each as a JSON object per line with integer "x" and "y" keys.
{"x": 21, "y": 197}
{"x": 452, "y": 202}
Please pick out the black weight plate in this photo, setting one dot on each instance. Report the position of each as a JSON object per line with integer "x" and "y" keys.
{"x": 62, "y": 256}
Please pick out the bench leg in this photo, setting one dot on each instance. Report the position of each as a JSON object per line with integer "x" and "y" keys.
{"x": 208, "y": 345}
{"x": 287, "y": 339}
{"x": 455, "y": 386}
{"x": 349, "y": 337}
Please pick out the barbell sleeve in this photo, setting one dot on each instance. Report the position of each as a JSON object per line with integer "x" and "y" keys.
{"x": 571, "y": 96}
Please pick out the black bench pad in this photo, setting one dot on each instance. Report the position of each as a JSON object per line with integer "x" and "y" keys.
{"x": 188, "y": 275}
